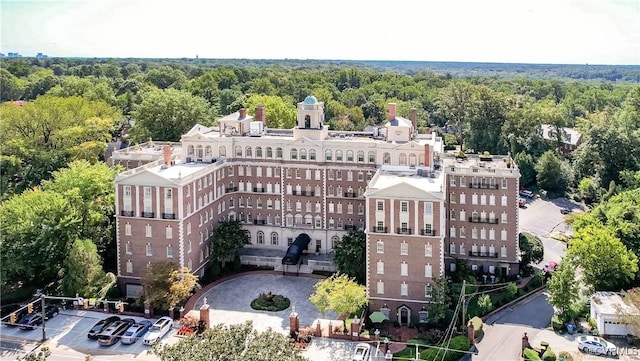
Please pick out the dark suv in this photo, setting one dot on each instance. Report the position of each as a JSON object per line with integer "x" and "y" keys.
{"x": 101, "y": 326}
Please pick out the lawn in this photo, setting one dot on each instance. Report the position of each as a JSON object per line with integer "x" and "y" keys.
{"x": 409, "y": 353}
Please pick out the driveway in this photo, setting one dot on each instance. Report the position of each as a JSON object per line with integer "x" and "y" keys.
{"x": 230, "y": 301}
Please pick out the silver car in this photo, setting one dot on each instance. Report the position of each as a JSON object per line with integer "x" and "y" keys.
{"x": 596, "y": 346}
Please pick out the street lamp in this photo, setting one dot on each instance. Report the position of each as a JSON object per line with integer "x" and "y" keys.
{"x": 386, "y": 344}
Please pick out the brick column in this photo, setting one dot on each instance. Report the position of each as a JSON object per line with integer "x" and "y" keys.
{"x": 172, "y": 313}
{"x": 294, "y": 323}
{"x": 148, "y": 310}
{"x": 204, "y": 313}
{"x": 355, "y": 329}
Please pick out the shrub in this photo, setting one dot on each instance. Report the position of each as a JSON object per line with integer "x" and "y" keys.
{"x": 457, "y": 343}
{"x": 567, "y": 356}
{"x": 485, "y": 304}
{"x": 531, "y": 355}
{"x": 592, "y": 323}
{"x": 556, "y": 323}
{"x": 549, "y": 355}
{"x": 477, "y": 326}
{"x": 270, "y": 302}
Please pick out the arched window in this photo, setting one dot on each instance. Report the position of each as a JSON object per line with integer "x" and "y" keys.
{"x": 303, "y": 154}
{"x": 421, "y": 159}
{"x": 308, "y": 219}
{"x": 312, "y": 154}
{"x": 199, "y": 152}
{"x": 412, "y": 160}
{"x": 222, "y": 150}
{"x": 238, "y": 151}
{"x": 360, "y": 156}
{"x": 349, "y": 156}
{"x": 258, "y": 152}
{"x": 372, "y": 157}
{"x": 247, "y": 152}
{"x": 269, "y": 152}
{"x": 294, "y": 154}
{"x": 327, "y": 154}
{"x": 402, "y": 159}
{"x": 386, "y": 158}
{"x": 207, "y": 151}
{"x": 279, "y": 153}
{"x": 260, "y": 237}
{"x": 334, "y": 241}
{"x": 338, "y": 156}
{"x": 298, "y": 219}
{"x": 190, "y": 151}
{"x": 274, "y": 238}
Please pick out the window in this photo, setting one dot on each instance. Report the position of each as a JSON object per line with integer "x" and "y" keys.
{"x": 404, "y": 207}
{"x": 349, "y": 156}
{"x": 452, "y": 181}
{"x": 269, "y": 152}
{"x": 503, "y": 201}
{"x": 462, "y": 250}
{"x": 428, "y": 250}
{"x": 504, "y": 183}
{"x": 404, "y": 269}
{"x": 492, "y": 234}
{"x": 428, "y": 208}
{"x": 327, "y": 154}
{"x": 312, "y": 154}
{"x": 463, "y": 233}
{"x": 169, "y": 251}
{"x": 404, "y": 289}
{"x": 463, "y": 181}
{"x": 380, "y": 287}
{"x": 360, "y": 156}
{"x": 294, "y": 154}
{"x": 483, "y": 199}
{"x": 474, "y": 233}
{"x": 169, "y": 232}
{"x": 338, "y": 156}
{"x": 404, "y": 248}
{"x": 503, "y": 235}
{"x": 380, "y": 247}
{"x": 483, "y": 233}
{"x": 474, "y": 199}
{"x": 128, "y": 248}
{"x": 428, "y": 271}
{"x": 380, "y": 205}
{"x": 149, "y": 250}
{"x": 372, "y": 157}
{"x": 452, "y": 248}
{"x": 238, "y": 151}
{"x": 504, "y": 217}
{"x": 303, "y": 154}
{"x": 147, "y": 230}
{"x": 127, "y": 229}
{"x": 380, "y": 268}
{"x": 386, "y": 158}
{"x": 129, "y": 266}
{"x": 503, "y": 251}
{"x": 492, "y": 200}
{"x": 452, "y": 232}
{"x": 274, "y": 238}
{"x": 260, "y": 237}
{"x": 258, "y": 152}
{"x": 279, "y": 153}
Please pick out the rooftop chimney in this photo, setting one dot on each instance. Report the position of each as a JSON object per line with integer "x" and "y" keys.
{"x": 167, "y": 155}
{"x": 260, "y": 114}
{"x": 243, "y": 113}
{"x": 413, "y": 119}
{"x": 392, "y": 111}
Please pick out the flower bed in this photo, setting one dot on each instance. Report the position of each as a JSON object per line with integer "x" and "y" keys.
{"x": 270, "y": 302}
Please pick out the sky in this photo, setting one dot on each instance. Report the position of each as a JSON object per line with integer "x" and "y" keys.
{"x": 504, "y": 31}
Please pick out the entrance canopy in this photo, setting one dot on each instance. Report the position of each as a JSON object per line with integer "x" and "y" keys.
{"x": 294, "y": 252}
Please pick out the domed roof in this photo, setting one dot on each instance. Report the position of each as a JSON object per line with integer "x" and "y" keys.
{"x": 310, "y": 100}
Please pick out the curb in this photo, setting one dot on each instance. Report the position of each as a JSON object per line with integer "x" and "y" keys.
{"x": 514, "y": 302}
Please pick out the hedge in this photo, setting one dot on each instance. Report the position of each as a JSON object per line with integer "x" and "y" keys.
{"x": 531, "y": 355}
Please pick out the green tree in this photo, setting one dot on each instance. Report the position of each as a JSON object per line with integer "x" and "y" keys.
{"x": 165, "y": 77}
{"x": 454, "y": 103}
{"x": 280, "y": 112}
{"x": 237, "y": 342}
{"x": 83, "y": 273}
{"x": 629, "y": 313}
{"x": 526, "y": 165}
{"x": 168, "y": 114}
{"x": 485, "y": 304}
{"x": 350, "y": 254}
{"x": 440, "y": 300}
{"x": 531, "y": 250}
{"x": 553, "y": 174}
{"x": 42, "y": 355}
{"x": 227, "y": 240}
{"x": 166, "y": 285}
{"x": 339, "y": 293}
{"x": 605, "y": 261}
{"x": 563, "y": 287}
{"x": 12, "y": 86}
{"x": 588, "y": 191}
{"x": 37, "y": 230}
{"x": 488, "y": 114}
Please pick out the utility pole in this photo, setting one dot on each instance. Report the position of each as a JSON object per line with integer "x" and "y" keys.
{"x": 44, "y": 321}
{"x": 464, "y": 301}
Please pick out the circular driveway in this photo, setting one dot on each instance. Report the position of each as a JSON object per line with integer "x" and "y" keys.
{"x": 229, "y": 301}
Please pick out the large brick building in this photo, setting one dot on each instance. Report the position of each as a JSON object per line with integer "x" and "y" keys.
{"x": 392, "y": 182}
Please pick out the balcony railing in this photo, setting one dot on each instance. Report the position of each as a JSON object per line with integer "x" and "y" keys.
{"x": 403, "y": 230}
{"x": 483, "y": 254}
{"x": 259, "y": 221}
{"x": 379, "y": 229}
{"x": 168, "y": 216}
{"x": 304, "y": 193}
{"x": 350, "y": 194}
{"x": 349, "y": 227}
{"x": 148, "y": 215}
{"x": 483, "y": 186}
{"x": 230, "y": 189}
{"x": 126, "y": 213}
{"x": 258, "y": 190}
{"x": 430, "y": 232}
{"x": 483, "y": 220}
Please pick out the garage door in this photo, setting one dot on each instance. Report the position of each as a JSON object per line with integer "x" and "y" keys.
{"x": 614, "y": 328}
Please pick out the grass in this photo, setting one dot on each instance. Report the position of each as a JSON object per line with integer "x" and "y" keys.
{"x": 410, "y": 351}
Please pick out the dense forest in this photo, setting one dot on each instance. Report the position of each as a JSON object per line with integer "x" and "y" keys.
{"x": 59, "y": 112}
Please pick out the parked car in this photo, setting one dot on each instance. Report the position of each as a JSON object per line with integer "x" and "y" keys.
{"x": 526, "y": 193}
{"x": 565, "y": 210}
{"x": 361, "y": 352}
{"x": 596, "y": 346}
{"x": 51, "y": 311}
{"x": 112, "y": 333}
{"x": 134, "y": 332}
{"x": 100, "y": 326}
{"x": 158, "y": 330}
{"x": 522, "y": 202}
{"x": 30, "y": 321}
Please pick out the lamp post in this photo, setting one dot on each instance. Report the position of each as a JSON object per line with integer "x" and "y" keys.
{"x": 386, "y": 344}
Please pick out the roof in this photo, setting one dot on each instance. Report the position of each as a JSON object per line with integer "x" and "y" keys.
{"x": 608, "y": 303}
{"x": 571, "y": 136}
{"x": 399, "y": 122}
{"x": 411, "y": 182}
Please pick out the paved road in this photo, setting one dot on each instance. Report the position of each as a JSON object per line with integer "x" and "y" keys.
{"x": 503, "y": 332}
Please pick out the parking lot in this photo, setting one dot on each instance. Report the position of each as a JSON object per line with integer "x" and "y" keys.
{"x": 68, "y": 332}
